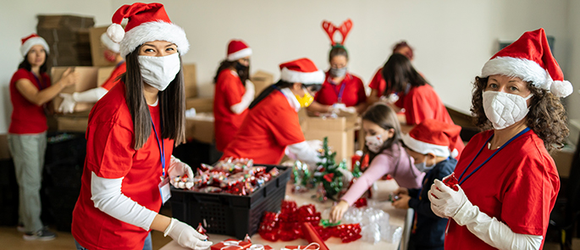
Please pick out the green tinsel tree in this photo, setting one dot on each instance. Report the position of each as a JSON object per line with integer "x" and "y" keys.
{"x": 328, "y": 172}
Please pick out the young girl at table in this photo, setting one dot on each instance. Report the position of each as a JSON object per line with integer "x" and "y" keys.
{"x": 386, "y": 155}
{"x": 430, "y": 145}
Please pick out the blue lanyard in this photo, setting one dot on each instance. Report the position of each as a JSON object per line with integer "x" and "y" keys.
{"x": 160, "y": 144}
{"x": 489, "y": 158}
{"x": 341, "y": 91}
{"x": 40, "y": 85}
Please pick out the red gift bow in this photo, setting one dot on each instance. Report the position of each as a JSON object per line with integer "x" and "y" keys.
{"x": 328, "y": 177}
{"x": 231, "y": 244}
{"x": 313, "y": 246}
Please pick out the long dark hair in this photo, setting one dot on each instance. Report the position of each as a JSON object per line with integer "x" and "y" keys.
{"x": 244, "y": 74}
{"x": 27, "y": 66}
{"x": 398, "y": 71}
{"x": 386, "y": 118}
{"x": 171, "y": 101}
{"x": 547, "y": 117}
{"x": 279, "y": 85}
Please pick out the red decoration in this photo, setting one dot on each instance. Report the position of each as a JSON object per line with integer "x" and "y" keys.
{"x": 451, "y": 181}
{"x": 200, "y": 229}
{"x": 231, "y": 244}
{"x": 311, "y": 235}
{"x": 348, "y": 232}
{"x": 312, "y": 246}
{"x": 361, "y": 202}
{"x": 328, "y": 177}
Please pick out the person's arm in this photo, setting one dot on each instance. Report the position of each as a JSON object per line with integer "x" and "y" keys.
{"x": 247, "y": 99}
{"x": 378, "y": 168}
{"x": 317, "y": 107}
{"x": 304, "y": 152}
{"x": 40, "y": 97}
{"x": 373, "y": 97}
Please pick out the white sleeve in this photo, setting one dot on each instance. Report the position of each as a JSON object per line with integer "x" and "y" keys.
{"x": 247, "y": 99}
{"x": 91, "y": 95}
{"x": 304, "y": 152}
{"x": 107, "y": 196}
{"x": 493, "y": 232}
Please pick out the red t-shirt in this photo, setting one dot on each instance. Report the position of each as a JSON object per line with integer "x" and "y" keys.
{"x": 110, "y": 154}
{"x": 229, "y": 90}
{"x": 422, "y": 103}
{"x": 353, "y": 91}
{"x": 112, "y": 80}
{"x": 27, "y": 117}
{"x": 378, "y": 83}
{"x": 518, "y": 186}
{"x": 269, "y": 127}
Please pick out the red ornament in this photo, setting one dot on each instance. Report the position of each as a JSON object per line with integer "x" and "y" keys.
{"x": 328, "y": 177}
{"x": 451, "y": 181}
{"x": 361, "y": 202}
{"x": 200, "y": 229}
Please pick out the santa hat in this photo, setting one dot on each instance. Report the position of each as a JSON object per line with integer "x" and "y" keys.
{"x": 301, "y": 70}
{"x": 432, "y": 136}
{"x": 30, "y": 41}
{"x": 147, "y": 22}
{"x": 530, "y": 59}
{"x": 112, "y": 46}
{"x": 238, "y": 49}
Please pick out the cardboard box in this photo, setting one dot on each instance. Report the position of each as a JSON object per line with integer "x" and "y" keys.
{"x": 4, "y": 151}
{"x": 87, "y": 79}
{"x": 563, "y": 159}
{"x": 200, "y": 128}
{"x": 64, "y": 21}
{"x": 103, "y": 74}
{"x": 72, "y": 123}
{"x": 190, "y": 80}
{"x": 201, "y": 104}
{"x": 261, "y": 80}
{"x": 97, "y": 47}
{"x": 340, "y": 132}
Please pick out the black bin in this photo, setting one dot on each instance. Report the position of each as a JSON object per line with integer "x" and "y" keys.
{"x": 229, "y": 214}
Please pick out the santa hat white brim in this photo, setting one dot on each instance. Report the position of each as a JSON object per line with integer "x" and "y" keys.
{"x": 154, "y": 31}
{"x": 239, "y": 54}
{"x": 425, "y": 148}
{"x": 527, "y": 70}
{"x": 31, "y": 42}
{"x": 316, "y": 77}
{"x": 112, "y": 46}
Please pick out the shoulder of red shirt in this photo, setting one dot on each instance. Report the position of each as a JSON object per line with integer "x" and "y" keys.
{"x": 112, "y": 108}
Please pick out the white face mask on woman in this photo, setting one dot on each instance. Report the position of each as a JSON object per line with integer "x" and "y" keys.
{"x": 503, "y": 109}
{"x": 159, "y": 71}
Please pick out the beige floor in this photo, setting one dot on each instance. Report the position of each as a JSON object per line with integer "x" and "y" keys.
{"x": 11, "y": 239}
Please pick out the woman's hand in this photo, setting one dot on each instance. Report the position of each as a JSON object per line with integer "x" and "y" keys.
{"x": 186, "y": 236}
{"x": 401, "y": 191}
{"x": 69, "y": 77}
{"x": 338, "y": 211}
{"x": 445, "y": 202}
{"x": 402, "y": 202}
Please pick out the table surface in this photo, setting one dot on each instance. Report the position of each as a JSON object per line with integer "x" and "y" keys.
{"x": 384, "y": 188}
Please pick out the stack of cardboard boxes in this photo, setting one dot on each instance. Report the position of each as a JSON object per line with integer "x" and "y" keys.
{"x": 68, "y": 39}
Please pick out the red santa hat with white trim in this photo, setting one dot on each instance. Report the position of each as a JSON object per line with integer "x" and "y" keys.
{"x": 302, "y": 70}
{"x": 30, "y": 41}
{"x": 238, "y": 49}
{"x": 530, "y": 59}
{"x": 109, "y": 44}
{"x": 147, "y": 22}
{"x": 432, "y": 136}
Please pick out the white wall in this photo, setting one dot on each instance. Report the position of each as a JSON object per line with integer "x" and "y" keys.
{"x": 18, "y": 20}
{"x": 573, "y": 72}
{"x": 452, "y": 39}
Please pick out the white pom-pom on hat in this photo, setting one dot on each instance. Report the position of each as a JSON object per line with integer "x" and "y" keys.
{"x": 116, "y": 32}
{"x": 561, "y": 88}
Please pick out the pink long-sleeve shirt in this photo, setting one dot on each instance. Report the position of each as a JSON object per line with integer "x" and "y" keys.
{"x": 394, "y": 161}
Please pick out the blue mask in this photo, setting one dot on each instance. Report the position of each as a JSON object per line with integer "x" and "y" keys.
{"x": 423, "y": 166}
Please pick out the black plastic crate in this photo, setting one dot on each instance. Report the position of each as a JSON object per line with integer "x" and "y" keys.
{"x": 65, "y": 147}
{"x": 66, "y": 174}
{"x": 228, "y": 214}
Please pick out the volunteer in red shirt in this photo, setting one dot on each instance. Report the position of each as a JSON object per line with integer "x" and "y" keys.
{"x": 30, "y": 91}
{"x": 111, "y": 54}
{"x": 378, "y": 84}
{"x": 508, "y": 182}
{"x": 416, "y": 96}
{"x": 130, "y": 139}
{"x": 233, "y": 93}
{"x": 341, "y": 90}
{"x": 272, "y": 126}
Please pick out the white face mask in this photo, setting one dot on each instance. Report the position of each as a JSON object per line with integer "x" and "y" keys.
{"x": 374, "y": 143}
{"x": 159, "y": 71}
{"x": 503, "y": 109}
{"x": 423, "y": 166}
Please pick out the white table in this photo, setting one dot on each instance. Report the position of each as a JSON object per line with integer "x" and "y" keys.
{"x": 397, "y": 217}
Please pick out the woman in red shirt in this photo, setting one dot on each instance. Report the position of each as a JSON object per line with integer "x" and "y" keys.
{"x": 111, "y": 54}
{"x": 233, "y": 93}
{"x": 272, "y": 126}
{"x": 377, "y": 83}
{"x": 341, "y": 90}
{"x": 130, "y": 139}
{"x": 30, "y": 91}
{"x": 508, "y": 182}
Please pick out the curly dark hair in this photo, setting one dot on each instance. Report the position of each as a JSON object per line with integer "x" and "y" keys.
{"x": 547, "y": 116}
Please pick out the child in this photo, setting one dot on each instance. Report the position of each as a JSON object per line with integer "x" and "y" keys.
{"x": 386, "y": 156}
{"x": 430, "y": 144}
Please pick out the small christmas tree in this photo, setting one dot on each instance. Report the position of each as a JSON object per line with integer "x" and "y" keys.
{"x": 328, "y": 174}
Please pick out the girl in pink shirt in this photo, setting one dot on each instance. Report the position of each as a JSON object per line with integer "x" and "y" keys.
{"x": 386, "y": 156}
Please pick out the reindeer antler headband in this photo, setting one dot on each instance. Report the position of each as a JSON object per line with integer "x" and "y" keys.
{"x": 330, "y": 29}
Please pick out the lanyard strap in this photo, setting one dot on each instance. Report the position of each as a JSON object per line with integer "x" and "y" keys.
{"x": 340, "y": 92}
{"x": 40, "y": 85}
{"x": 489, "y": 158}
{"x": 161, "y": 145}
